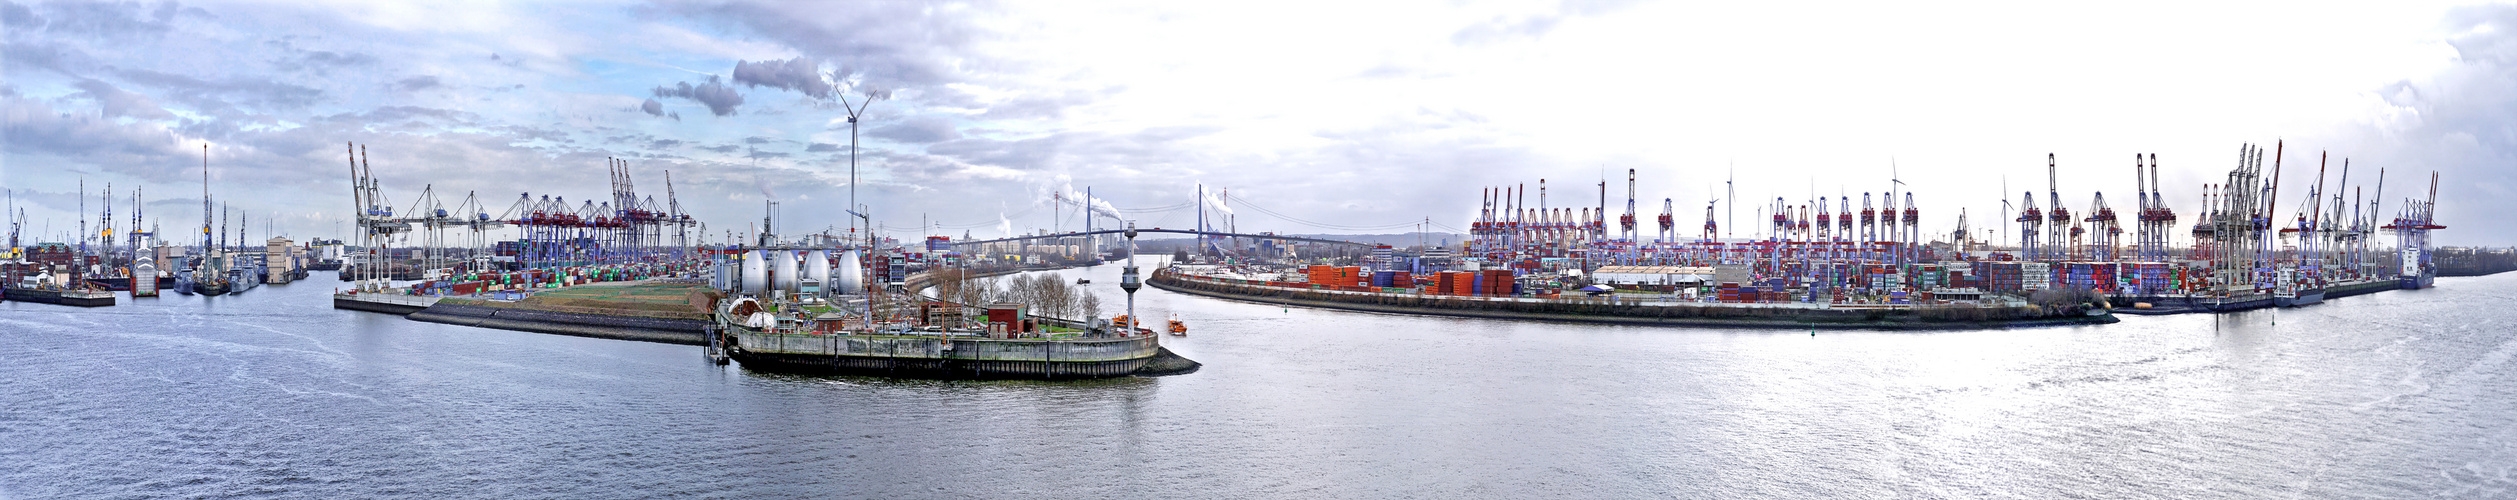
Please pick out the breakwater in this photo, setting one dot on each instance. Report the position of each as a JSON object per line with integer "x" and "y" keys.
{"x": 1644, "y": 313}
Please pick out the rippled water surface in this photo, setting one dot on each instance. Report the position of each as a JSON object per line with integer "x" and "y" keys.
{"x": 2394, "y": 395}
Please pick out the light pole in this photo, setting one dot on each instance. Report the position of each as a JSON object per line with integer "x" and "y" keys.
{"x": 1128, "y": 281}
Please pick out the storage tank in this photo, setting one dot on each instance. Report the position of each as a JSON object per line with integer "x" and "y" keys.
{"x": 723, "y": 279}
{"x": 755, "y": 272}
{"x": 851, "y": 275}
{"x": 817, "y": 267}
{"x": 786, "y": 270}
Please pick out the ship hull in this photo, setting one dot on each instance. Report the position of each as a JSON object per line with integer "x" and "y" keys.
{"x": 67, "y": 298}
{"x": 935, "y": 358}
{"x": 2303, "y": 298}
{"x": 935, "y": 368}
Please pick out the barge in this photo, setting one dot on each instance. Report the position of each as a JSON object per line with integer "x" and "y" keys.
{"x": 45, "y": 289}
{"x": 946, "y": 355}
{"x": 785, "y": 341}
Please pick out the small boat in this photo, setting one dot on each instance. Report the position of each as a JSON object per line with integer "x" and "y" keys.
{"x": 1178, "y": 329}
{"x": 1083, "y": 281}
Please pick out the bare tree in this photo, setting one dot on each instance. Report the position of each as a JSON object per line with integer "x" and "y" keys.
{"x": 1089, "y": 306}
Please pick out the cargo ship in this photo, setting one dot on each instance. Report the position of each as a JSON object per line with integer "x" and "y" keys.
{"x": 2297, "y": 289}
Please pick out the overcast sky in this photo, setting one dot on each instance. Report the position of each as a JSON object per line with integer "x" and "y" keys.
{"x": 1348, "y": 116}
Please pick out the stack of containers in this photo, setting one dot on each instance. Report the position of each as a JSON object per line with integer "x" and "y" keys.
{"x": 2104, "y": 277}
{"x": 2098, "y": 276}
{"x": 1727, "y": 292}
{"x": 2004, "y": 276}
{"x": 1499, "y": 282}
{"x": 2147, "y": 278}
{"x": 2035, "y": 276}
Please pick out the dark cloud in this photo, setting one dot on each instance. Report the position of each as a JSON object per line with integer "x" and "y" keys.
{"x": 897, "y": 45}
{"x": 720, "y": 98}
{"x": 798, "y": 74}
{"x": 107, "y": 19}
{"x": 727, "y": 148}
{"x": 922, "y": 129}
{"x": 402, "y": 113}
{"x": 821, "y": 147}
{"x": 421, "y": 82}
{"x": 757, "y": 140}
{"x": 320, "y": 61}
{"x": 118, "y": 102}
{"x": 652, "y": 107}
{"x": 208, "y": 95}
{"x": 18, "y": 17}
{"x": 531, "y": 133}
{"x": 50, "y": 56}
{"x": 2458, "y": 123}
{"x": 664, "y": 143}
{"x": 29, "y": 127}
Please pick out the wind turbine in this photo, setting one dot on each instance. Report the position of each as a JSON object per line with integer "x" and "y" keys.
{"x": 2005, "y": 209}
{"x": 857, "y": 110}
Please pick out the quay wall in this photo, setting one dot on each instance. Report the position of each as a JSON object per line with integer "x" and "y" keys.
{"x": 643, "y": 329}
{"x": 1697, "y": 315}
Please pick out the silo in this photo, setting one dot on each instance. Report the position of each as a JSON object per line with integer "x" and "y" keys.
{"x": 786, "y": 270}
{"x": 817, "y": 267}
{"x": 851, "y": 275}
{"x": 755, "y": 272}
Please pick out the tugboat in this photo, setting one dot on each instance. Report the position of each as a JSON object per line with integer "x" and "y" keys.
{"x": 1178, "y": 329}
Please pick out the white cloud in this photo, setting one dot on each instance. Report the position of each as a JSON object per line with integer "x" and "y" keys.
{"x": 1358, "y": 113}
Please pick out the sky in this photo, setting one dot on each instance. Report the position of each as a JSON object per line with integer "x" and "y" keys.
{"x": 1315, "y": 117}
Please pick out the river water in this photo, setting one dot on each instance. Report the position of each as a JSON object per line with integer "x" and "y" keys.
{"x": 273, "y": 393}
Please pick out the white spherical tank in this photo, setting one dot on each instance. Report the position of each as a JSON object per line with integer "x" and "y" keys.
{"x": 785, "y": 280}
{"x": 817, "y": 267}
{"x": 850, "y": 275}
{"x": 755, "y": 272}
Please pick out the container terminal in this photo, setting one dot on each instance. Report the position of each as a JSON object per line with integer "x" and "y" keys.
{"x": 1806, "y": 261}
{"x": 2247, "y": 250}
